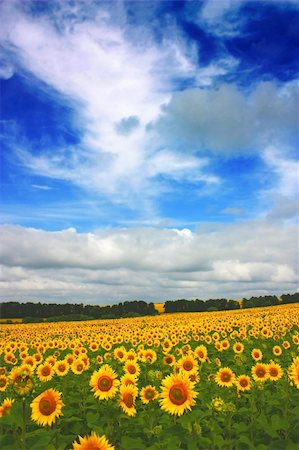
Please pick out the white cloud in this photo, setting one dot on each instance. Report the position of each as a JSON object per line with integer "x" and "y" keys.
{"x": 121, "y": 264}
{"x": 286, "y": 171}
{"x": 109, "y": 80}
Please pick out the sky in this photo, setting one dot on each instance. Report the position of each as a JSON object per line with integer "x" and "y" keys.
{"x": 149, "y": 150}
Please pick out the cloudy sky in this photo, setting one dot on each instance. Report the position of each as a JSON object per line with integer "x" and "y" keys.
{"x": 149, "y": 149}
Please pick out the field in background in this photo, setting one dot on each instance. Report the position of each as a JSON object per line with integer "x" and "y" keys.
{"x": 217, "y": 380}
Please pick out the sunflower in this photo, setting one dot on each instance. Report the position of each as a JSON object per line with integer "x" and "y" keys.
{"x": 38, "y": 357}
{"x": 243, "y": 383}
{"x": 94, "y": 347}
{"x": 218, "y": 346}
{"x": 3, "y": 382}
{"x": 201, "y": 353}
{"x": 187, "y": 364}
{"x": 78, "y": 366}
{"x": 51, "y": 360}
{"x": 238, "y": 347}
{"x": 132, "y": 368}
{"x": 225, "y": 377}
{"x": 21, "y": 380}
{"x": 104, "y": 383}
{"x": 127, "y": 399}
{"x": 92, "y": 442}
{"x": 120, "y": 353}
{"x": 30, "y": 361}
{"x": 169, "y": 360}
{"x": 277, "y": 350}
{"x": 5, "y": 407}
{"x": 61, "y": 368}
{"x": 131, "y": 355}
{"x": 293, "y": 372}
{"x": 177, "y": 394}
{"x": 225, "y": 344}
{"x": 46, "y": 407}
{"x": 99, "y": 359}
{"x": 256, "y": 354}
{"x": 260, "y": 372}
{"x": 69, "y": 359}
{"x": 148, "y": 393}
{"x": 128, "y": 379}
{"x": 217, "y": 404}
{"x": 275, "y": 371}
{"x": 45, "y": 372}
{"x": 150, "y": 356}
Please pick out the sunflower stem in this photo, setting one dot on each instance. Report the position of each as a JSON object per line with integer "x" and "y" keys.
{"x": 23, "y": 440}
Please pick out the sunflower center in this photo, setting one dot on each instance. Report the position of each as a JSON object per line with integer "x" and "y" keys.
{"x": 244, "y": 382}
{"x": 104, "y": 383}
{"x": 273, "y": 372}
{"x": 149, "y": 394}
{"x": 61, "y": 368}
{"x": 47, "y": 406}
{"x": 45, "y": 371}
{"x": 226, "y": 377}
{"x": 260, "y": 373}
{"x": 188, "y": 365}
{"x": 200, "y": 354}
{"x": 177, "y": 394}
{"x": 2, "y": 383}
{"x": 128, "y": 400}
{"x": 132, "y": 369}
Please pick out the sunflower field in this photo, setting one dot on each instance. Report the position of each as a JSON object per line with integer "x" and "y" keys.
{"x": 216, "y": 380}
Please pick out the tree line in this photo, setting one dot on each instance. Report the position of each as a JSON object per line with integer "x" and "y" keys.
{"x": 223, "y": 304}
{"x": 71, "y": 311}
{"x": 33, "y": 312}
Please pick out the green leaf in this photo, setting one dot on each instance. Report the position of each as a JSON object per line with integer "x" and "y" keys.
{"x": 129, "y": 443}
{"x": 240, "y": 427}
{"x": 8, "y": 442}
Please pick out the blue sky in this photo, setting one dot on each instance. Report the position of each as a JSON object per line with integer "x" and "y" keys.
{"x": 148, "y": 149}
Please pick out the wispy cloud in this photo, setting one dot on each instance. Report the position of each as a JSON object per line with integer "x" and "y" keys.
{"x": 116, "y": 88}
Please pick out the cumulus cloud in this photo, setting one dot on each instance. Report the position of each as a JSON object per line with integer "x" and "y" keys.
{"x": 226, "y": 121}
{"x": 121, "y": 264}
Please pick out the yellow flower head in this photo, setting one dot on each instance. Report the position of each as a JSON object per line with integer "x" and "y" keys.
{"x": 256, "y": 354}
{"x": 201, "y": 353}
{"x": 260, "y": 372}
{"x": 275, "y": 371}
{"x": 45, "y": 372}
{"x": 177, "y": 394}
{"x": 238, "y": 347}
{"x": 127, "y": 399}
{"x": 187, "y": 364}
{"x": 92, "y": 442}
{"x": 46, "y": 407}
{"x": 243, "y": 383}
{"x": 148, "y": 394}
{"x": 3, "y": 382}
{"x": 5, "y": 407}
{"x": 61, "y": 368}
{"x": 104, "y": 383}
{"x": 225, "y": 377}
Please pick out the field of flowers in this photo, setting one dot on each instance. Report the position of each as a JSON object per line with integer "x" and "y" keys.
{"x": 217, "y": 380}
